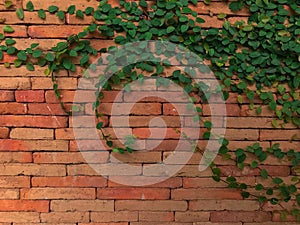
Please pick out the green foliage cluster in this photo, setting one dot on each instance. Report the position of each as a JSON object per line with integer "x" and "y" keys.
{"x": 258, "y": 59}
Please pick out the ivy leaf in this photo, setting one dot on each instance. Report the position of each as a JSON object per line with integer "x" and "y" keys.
{"x": 298, "y": 199}
{"x": 184, "y": 28}
{"x": 11, "y": 50}
{"x": 8, "y": 29}
{"x": 50, "y": 57}
{"x": 29, "y": 6}
{"x": 30, "y": 66}
{"x": 37, "y": 53}
{"x": 71, "y": 9}
{"x": 20, "y": 13}
{"x": 42, "y": 14}
{"x": 22, "y": 55}
{"x": 170, "y": 29}
{"x": 8, "y": 4}
{"x": 79, "y": 14}
{"x": 99, "y": 125}
{"x": 53, "y": 9}
{"x": 236, "y": 6}
{"x": 264, "y": 174}
{"x": 17, "y": 63}
{"x": 60, "y": 14}
{"x": 10, "y": 41}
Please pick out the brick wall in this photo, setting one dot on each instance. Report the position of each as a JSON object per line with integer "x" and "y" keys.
{"x": 44, "y": 179}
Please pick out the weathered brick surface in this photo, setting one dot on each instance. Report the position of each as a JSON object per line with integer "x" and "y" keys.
{"x": 46, "y": 180}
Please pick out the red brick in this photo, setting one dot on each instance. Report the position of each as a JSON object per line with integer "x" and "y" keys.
{"x": 195, "y": 182}
{"x": 58, "y": 193}
{"x": 6, "y": 96}
{"x": 30, "y": 96}
{"x": 216, "y": 193}
{"x": 24, "y": 205}
{"x": 231, "y": 109}
{"x": 44, "y": 44}
{"x": 69, "y": 181}
{"x": 14, "y": 182}
{"x": 12, "y": 108}
{"x": 33, "y": 121}
{"x": 236, "y": 216}
{"x": 15, "y": 157}
{"x": 133, "y": 193}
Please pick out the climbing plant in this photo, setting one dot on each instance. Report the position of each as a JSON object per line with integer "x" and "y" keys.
{"x": 258, "y": 59}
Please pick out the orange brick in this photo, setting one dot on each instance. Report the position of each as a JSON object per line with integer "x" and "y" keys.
{"x": 58, "y": 193}
{"x": 19, "y": 31}
{"x": 24, "y": 205}
{"x": 33, "y": 121}
{"x": 65, "y": 217}
{"x": 30, "y": 18}
{"x": 15, "y": 83}
{"x": 145, "y": 205}
{"x": 156, "y": 216}
{"x": 70, "y": 158}
{"x": 4, "y": 132}
{"x": 31, "y": 133}
{"x": 144, "y": 121}
{"x": 14, "y": 182}
{"x": 45, "y": 109}
{"x": 31, "y": 145}
{"x": 236, "y": 216}
{"x": 191, "y": 216}
{"x": 133, "y": 193}
{"x": 30, "y": 96}
{"x": 279, "y": 135}
{"x": 82, "y": 205}
{"x": 9, "y": 194}
{"x": 157, "y": 133}
{"x": 44, "y": 44}
{"x": 220, "y": 205}
{"x": 216, "y": 193}
{"x": 69, "y": 181}
{"x": 15, "y": 157}
{"x": 6, "y": 96}
{"x": 13, "y": 169}
{"x": 62, "y": 5}
{"x": 20, "y": 217}
{"x": 46, "y": 83}
{"x": 120, "y": 216}
{"x": 12, "y": 108}
{"x": 173, "y": 182}
{"x": 61, "y": 31}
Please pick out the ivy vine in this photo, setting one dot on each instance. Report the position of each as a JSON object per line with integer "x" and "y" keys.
{"x": 258, "y": 59}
